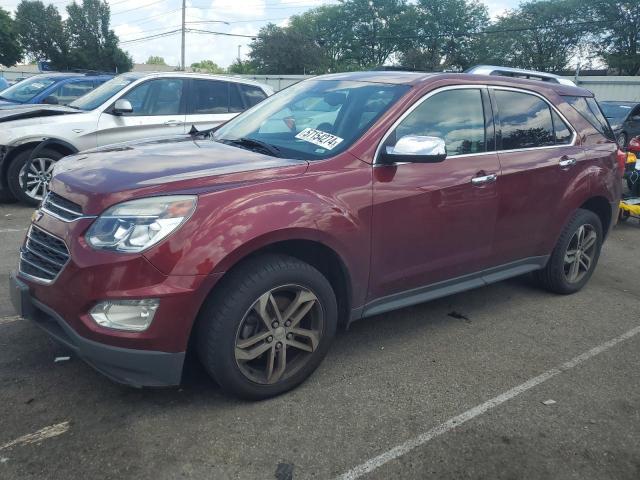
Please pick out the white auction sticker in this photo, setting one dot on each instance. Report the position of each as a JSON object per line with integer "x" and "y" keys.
{"x": 320, "y": 138}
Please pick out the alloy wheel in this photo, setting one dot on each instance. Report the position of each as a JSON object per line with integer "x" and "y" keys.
{"x": 580, "y": 254}
{"x": 279, "y": 334}
{"x": 35, "y": 180}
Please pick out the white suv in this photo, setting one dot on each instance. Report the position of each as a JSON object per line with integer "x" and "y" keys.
{"x": 129, "y": 107}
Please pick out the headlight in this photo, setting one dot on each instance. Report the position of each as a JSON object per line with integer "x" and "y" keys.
{"x": 137, "y": 225}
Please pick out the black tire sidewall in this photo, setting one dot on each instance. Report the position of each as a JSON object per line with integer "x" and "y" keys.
{"x": 221, "y": 316}
{"x": 13, "y": 173}
{"x": 556, "y": 263}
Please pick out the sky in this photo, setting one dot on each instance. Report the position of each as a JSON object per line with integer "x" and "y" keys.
{"x": 133, "y": 19}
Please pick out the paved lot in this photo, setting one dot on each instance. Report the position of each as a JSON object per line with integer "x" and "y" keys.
{"x": 393, "y": 381}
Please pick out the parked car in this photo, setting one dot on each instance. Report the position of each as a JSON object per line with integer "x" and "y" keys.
{"x": 3, "y": 83}
{"x": 251, "y": 243}
{"x": 624, "y": 118}
{"x": 53, "y": 88}
{"x": 129, "y": 107}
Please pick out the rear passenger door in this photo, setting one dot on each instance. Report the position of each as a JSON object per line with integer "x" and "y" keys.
{"x": 158, "y": 110}
{"x": 539, "y": 164}
{"x": 212, "y": 102}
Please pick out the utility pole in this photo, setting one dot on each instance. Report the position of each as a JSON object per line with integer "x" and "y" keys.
{"x": 239, "y": 46}
{"x": 184, "y": 8}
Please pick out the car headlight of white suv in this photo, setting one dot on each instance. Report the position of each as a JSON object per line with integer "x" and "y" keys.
{"x": 137, "y": 225}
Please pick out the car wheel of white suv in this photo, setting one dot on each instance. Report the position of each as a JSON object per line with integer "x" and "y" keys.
{"x": 28, "y": 183}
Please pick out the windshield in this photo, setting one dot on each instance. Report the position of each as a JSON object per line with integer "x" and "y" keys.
{"x": 97, "y": 97}
{"x": 26, "y": 89}
{"x": 313, "y": 119}
{"x": 615, "y": 111}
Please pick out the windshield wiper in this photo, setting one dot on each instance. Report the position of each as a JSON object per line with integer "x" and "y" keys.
{"x": 247, "y": 142}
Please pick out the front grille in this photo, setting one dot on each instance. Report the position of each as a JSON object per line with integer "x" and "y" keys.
{"x": 61, "y": 207}
{"x": 43, "y": 255}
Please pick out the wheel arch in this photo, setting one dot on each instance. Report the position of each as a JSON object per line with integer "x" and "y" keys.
{"x": 61, "y": 146}
{"x": 602, "y": 208}
{"x": 313, "y": 251}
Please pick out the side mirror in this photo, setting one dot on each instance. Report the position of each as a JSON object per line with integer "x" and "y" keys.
{"x": 416, "y": 149}
{"x": 51, "y": 100}
{"x": 121, "y": 106}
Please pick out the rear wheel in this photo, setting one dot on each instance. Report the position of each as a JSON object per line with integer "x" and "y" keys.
{"x": 575, "y": 256}
{"x": 28, "y": 183}
{"x": 268, "y": 327}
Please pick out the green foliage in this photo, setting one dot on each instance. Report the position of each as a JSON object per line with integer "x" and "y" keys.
{"x": 155, "y": 60}
{"x": 207, "y": 66}
{"x": 240, "y": 67}
{"x": 41, "y": 31}
{"x": 83, "y": 41}
{"x": 10, "y": 48}
{"x": 445, "y": 34}
{"x": 538, "y": 35}
{"x": 617, "y": 40}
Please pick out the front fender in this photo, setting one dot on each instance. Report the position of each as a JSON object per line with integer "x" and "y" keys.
{"x": 230, "y": 224}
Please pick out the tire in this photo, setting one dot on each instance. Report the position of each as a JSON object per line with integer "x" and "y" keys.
{"x": 230, "y": 321}
{"x": 621, "y": 139}
{"x": 6, "y": 196}
{"x": 557, "y": 276}
{"x": 45, "y": 161}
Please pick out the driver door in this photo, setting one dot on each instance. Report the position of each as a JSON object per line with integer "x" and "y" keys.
{"x": 435, "y": 221}
{"x": 158, "y": 111}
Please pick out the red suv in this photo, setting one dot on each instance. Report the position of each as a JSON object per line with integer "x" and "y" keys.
{"x": 341, "y": 197}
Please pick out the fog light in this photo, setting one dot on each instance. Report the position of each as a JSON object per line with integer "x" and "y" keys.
{"x": 132, "y": 315}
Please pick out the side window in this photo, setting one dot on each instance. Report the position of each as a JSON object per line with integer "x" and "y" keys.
{"x": 252, "y": 95}
{"x": 69, "y": 91}
{"x": 590, "y": 110}
{"x": 210, "y": 97}
{"x": 562, "y": 131}
{"x": 456, "y": 116}
{"x": 156, "y": 97}
{"x": 525, "y": 120}
{"x": 235, "y": 100}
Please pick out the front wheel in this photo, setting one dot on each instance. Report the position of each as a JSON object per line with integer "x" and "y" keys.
{"x": 622, "y": 140}
{"x": 268, "y": 327}
{"x": 575, "y": 256}
{"x": 28, "y": 181}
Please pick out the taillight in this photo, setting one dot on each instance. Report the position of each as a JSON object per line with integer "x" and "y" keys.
{"x": 622, "y": 160}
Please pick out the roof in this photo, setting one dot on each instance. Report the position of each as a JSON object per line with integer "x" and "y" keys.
{"x": 420, "y": 78}
{"x": 207, "y": 76}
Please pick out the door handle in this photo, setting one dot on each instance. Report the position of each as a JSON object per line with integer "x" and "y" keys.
{"x": 484, "y": 179}
{"x": 567, "y": 162}
{"x": 173, "y": 123}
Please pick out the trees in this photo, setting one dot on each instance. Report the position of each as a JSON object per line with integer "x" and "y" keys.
{"x": 445, "y": 34}
{"x": 208, "y": 66}
{"x": 92, "y": 44}
{"x": 83, "y": 41}
{"x": 618, "y": 39}
{"x": 285, "y": 51}
{"x": 41, "y": 32}
{"x": 540, "y": 35}
{"x": 10, "y": 48}
{"x": 155, "y": 60}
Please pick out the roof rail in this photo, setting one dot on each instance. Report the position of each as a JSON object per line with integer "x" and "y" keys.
{"x": 520, "y": 73}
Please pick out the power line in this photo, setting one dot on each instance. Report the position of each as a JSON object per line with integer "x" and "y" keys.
{"x": 138, "y": 8}
{"x": 151, "y": 37}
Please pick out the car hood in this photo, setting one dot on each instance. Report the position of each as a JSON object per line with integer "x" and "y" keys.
{"x": 99, "y": 178}
{"x": 23, "y": 111}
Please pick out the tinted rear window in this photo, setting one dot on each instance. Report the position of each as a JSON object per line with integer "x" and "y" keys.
{"x": 590, "y": 110}
{"x": 525, "y": 120}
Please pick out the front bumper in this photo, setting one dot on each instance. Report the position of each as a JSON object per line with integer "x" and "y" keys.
{"x": 138, "y": 368}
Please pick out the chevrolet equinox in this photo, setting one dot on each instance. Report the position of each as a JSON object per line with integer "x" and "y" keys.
{"x": 341, "y": 197}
